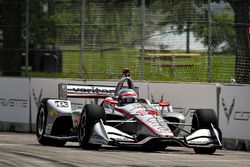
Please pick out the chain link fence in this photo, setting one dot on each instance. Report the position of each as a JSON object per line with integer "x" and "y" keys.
{"x": 162, "y": 40}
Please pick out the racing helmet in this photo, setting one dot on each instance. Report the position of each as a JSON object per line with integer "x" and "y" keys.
{"x": 126, "y": 96}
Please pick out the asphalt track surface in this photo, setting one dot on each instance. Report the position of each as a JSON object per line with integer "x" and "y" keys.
{"x": 23, "y": 150}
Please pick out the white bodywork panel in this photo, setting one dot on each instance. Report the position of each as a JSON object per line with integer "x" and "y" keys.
{"x": 203, "y": 137}
{"x": 56, "y": 108}
{"x": 102, "y": 134}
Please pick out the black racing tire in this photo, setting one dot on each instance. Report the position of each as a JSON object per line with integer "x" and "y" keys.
{"x": 200, "y": 150}
{"x": 90, "y": 115}
{"x": 202, "y": 119}
{"x": 41, "y": 123}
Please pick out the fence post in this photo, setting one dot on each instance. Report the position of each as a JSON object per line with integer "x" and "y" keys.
{"x": 188, "y": 37}
{"x": 27, "y": 37}
{"x": 209, "y": 42}
{"x": 142, "y": 39}
{"x": 82, "y": 38}
{"x": 27, "y": 34}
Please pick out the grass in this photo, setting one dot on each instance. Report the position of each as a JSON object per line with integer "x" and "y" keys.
{"x": 223, "y": 67}
{"x": 99, "y": 65}
{"x": 108, "y": 65}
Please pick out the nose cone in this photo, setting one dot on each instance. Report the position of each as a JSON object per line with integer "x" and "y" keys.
{"x": 154, "y": 122}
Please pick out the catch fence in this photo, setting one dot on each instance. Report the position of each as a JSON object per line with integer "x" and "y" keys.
{"x": 161, "y": 40}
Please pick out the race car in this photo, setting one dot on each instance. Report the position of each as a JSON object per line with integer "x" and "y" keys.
{"x": 117, "y": 116}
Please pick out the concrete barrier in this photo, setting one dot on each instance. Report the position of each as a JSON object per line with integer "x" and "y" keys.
{"x": 14, "y": 104}
{"x": 20, "y": 98}
{"x": 234, "y": 118}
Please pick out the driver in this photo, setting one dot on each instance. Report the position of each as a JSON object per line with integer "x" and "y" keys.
{"x": 127, "y": 96}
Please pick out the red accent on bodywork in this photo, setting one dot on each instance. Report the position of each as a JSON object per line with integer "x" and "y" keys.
{"x": 142, "y": 112}
{"x": 152, "y": 112}
{"x": 111, "y": 101}
{"x": 148, "y": 112}
{"x": 128, "y": 95}
{"x": 164, "y": 103}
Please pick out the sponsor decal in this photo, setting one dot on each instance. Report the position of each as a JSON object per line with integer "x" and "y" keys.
{"x": 228, "y": 111}
{"x": 198, "y": 141}
{"x": 90, "y": 90}
{"x": 237, "y": 115}
{"x": 141, "y": 112}
{"x": 52, "y": 112}
{"x": 37, "y": 99}
{"x": 187, "y": 112}
{"x": 48, "y": 128}
{"x": 242, "y": 115}
{"x": 14, "y": 103}
{"x": 135, "y": 107}
{"x": 62, "y": 104}
{"x": 147, "y": 112}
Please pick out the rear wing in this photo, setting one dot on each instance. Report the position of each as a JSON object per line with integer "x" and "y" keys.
{"x": 84, "y": 91}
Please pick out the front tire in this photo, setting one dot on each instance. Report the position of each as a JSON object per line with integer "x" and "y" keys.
{"x": 90, "y": 115}
{"x": 41, "y": 123}
{"x": 202, "y": 119}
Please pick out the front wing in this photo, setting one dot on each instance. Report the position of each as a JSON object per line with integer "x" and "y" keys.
{"x": 107, "y": 135}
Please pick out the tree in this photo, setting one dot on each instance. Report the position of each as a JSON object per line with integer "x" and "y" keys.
{"x": 180, "y": 15}
{"x": 222, "y": 32}
{"x": 42, "y": 23}
{"x": 13, "y": 16}
{"x": 241, "y": 10}
{"x": 11, "y": 54}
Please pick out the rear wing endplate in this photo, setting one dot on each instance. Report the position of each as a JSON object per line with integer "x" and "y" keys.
{"x": 84, "y": 91}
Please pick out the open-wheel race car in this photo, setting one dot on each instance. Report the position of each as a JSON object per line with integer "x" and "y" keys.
{"x": 117, "y": 116}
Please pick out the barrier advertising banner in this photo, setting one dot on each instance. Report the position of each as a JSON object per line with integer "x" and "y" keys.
{"x": 234, "y": 107}
{"x": 14, "y": 100}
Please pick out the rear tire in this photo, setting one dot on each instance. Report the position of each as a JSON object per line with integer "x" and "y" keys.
{"x": 90, "y": 115}
{"x": 202, "y": 119}
{"x": 41, "y": 123}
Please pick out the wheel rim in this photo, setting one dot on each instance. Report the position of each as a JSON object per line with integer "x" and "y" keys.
{"x": 41, "y": 122}
{"x": 83, "y": 126}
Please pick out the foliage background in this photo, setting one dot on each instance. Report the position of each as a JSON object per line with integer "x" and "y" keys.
{"x": 95, "y": 39}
